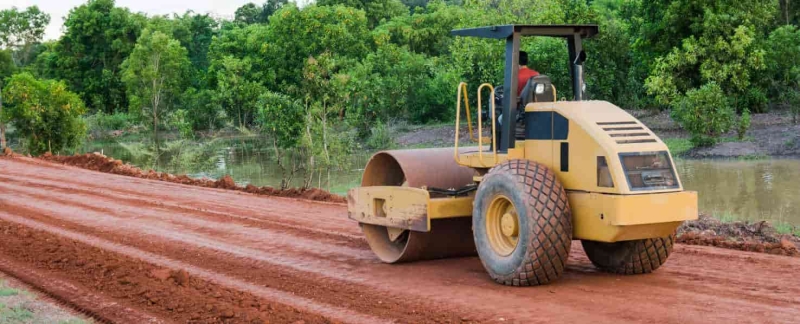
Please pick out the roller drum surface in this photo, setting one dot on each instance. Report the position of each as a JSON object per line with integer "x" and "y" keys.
{"x": 418, "y": 168}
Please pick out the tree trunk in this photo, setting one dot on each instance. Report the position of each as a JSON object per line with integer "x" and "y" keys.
{"x": 311, "y": 164}
{"x": 785, "y": 9}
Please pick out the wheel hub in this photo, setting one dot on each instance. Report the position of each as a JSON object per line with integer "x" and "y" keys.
{"x": 502, "y": 225}
{"x": 508, "y": 225}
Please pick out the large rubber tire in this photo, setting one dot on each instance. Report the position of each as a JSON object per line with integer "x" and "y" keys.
{"x": 629, "y": 257}
{"x": 544, "y": 224}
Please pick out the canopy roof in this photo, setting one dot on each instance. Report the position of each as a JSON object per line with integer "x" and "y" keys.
{"x": 504, "y": 31}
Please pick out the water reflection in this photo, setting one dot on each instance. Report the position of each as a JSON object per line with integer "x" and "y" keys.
{"x": 744, "y": 190}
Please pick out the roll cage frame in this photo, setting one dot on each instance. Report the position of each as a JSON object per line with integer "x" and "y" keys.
{"x": 512, "y": 34}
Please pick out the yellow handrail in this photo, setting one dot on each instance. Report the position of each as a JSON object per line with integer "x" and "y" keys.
{"x": 462, "y": 87}
{"x": 555, "y": 96}
{"x": 480, "y": 123}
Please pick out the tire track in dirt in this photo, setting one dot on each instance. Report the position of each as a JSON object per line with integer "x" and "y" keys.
{"x": 170, "y": 224}
{"x": 132, "y": 255}
{"x": 82, "y": 301}
{"x": 61, "y": 215}
{"x": 136, "y": 200}
{"x": 307, "y": 215}
{"x": 697, "y": 284}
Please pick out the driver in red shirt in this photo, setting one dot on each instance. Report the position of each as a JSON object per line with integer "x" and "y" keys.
{"x": 525, "y": 73}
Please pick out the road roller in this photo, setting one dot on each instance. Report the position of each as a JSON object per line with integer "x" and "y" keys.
{"x": 545, "y": 173}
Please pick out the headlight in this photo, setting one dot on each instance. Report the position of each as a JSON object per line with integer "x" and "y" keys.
{"x": 539, "y": 88}
{"x": 649, "y": 171}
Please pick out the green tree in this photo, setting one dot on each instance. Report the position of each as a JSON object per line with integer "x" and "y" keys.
{"x": 251, "y": 13}
{"x": 789, "y": 12}
{"x": 729, "y": 60}
{"x": 44, "y": 112}
{"x": 238, "y": 94}
{"x": 7, "y": 68}
{"x": 704, "y": 112}
{"x": 386, "y": 85}
{"x": 323, "y": 87}
{"x": 201, "y": 29}
{"x": 243, "y": 43}
{"x": 155, "y": 75}
{"x": 783, "y": 68}
{"x": 21, "y": 31}
{"x": 295, "y": 35}
{"x": 98, "y": 37}
{"x": 205, "y": 111}
{"x": 426, "y": 31}
{"x": 281, "y": 117}
{"x": 376, "y": 10}
{"x": 248, "y": 14}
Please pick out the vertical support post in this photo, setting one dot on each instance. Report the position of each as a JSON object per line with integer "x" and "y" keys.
{"x": 576, "y": 72}
{"x": 507, "y": 136}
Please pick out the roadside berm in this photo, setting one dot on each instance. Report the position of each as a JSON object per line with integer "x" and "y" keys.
{"x": 102, "y": 163}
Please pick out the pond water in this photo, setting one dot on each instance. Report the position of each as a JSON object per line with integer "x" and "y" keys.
{"x": 728, "y": 189}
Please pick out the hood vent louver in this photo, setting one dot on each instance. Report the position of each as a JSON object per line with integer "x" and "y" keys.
{"x": 627, "y": 132}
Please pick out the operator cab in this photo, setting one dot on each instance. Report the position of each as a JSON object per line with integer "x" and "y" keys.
{"x": 511, "y": 102}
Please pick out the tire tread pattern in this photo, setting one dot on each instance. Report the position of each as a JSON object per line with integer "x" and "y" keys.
{"x": 643, "y": 256}
{"x": 550, "y": 214}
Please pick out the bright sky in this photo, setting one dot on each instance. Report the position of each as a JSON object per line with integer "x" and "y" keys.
{"x": 58, "y": 9}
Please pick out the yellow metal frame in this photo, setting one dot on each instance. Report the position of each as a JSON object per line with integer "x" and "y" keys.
{"x": 612, "y": 218}
{"x": 462, "y": 87}
{"x": 403, "y": 207}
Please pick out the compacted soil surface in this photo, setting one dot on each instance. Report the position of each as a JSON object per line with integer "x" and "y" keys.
{"x": 126, "y": 249}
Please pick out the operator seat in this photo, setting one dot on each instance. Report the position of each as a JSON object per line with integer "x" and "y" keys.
{"x": 530, "y": 94}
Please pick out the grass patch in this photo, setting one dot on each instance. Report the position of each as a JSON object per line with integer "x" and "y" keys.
{"x": 753, "y": 157}
{"x": 784, "y": 228}
{"x": 14, "y": 315}
{"x": 5, "y": 292}
{"x": 733, "y": 139}
{"x": 73, "y": 321}
{"x": 678, "y": 146}
{"x": 342, "y": 187}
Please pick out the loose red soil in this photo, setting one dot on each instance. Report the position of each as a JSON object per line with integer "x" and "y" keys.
{"x": 133, "y": 250}
{"x": 759, "y": 236}
{"x": 102, "y": 163}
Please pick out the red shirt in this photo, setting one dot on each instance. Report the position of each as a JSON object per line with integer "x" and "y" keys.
{"x": 524, "y": 74}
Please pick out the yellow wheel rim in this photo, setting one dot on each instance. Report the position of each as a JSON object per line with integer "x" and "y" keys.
{"x": 502, "y": 225}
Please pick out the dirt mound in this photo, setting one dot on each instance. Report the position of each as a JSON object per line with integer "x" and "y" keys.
{"x": 8, "y": 152}
{"x": 102, "y": 163}
{"x": 745, "y": 236}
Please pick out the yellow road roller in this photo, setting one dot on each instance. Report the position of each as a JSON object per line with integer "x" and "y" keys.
{"x": 552, "y": 171}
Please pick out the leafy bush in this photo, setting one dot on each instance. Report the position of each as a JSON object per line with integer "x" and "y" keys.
{"x": 380, "y": 138}
{"x": 44, "y": 112}
{"x": 180, "y": 120}
{"x": 110, "y": 122}
{"x": 281, "y": 117}
{"x": 705, "y": 113}
{"x": 205, "y": 111}
{"x": 744, "y": 124}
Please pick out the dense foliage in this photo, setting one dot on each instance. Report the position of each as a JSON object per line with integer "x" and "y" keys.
{"x": 334, "y": 70}
{"x": 45, "y": 112}
{"x": 154, "y": 75}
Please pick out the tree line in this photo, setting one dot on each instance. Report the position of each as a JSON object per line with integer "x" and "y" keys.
{"x": 323, "y": 76}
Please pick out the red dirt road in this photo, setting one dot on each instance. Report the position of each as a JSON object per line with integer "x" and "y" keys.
{"x": 130, "y": 250}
